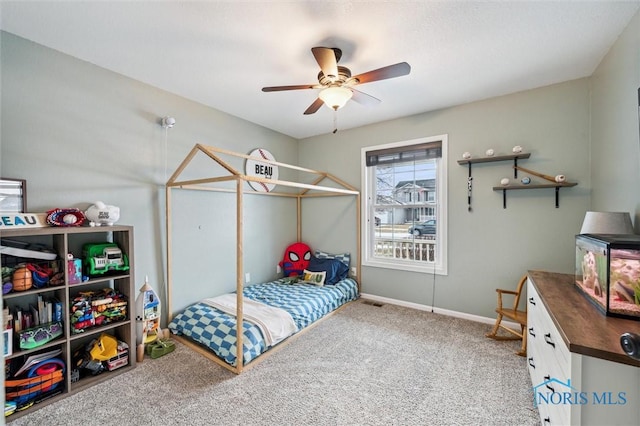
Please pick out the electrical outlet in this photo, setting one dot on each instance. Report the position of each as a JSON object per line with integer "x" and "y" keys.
{"x": 247, "y": 277}
{"x": 354, "y": 271}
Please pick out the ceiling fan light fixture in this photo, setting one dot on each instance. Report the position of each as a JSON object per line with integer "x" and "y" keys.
{"x": 335, "y": 97}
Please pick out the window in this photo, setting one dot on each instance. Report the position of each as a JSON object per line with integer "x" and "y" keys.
{"x": 405, "y": 205}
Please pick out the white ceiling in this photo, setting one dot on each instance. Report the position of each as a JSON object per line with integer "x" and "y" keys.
{"x": 221, "y": 53}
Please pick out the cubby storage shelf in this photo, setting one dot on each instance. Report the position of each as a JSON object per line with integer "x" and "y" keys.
{"x": 70, "y": 240}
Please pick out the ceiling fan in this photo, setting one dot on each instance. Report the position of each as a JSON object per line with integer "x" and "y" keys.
{"x": 337, "y": 83}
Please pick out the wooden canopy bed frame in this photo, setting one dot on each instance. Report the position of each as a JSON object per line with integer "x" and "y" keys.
{"x": 300, "y": 192}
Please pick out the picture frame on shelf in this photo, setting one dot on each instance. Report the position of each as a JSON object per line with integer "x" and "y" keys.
{"x": 13, "y": 195}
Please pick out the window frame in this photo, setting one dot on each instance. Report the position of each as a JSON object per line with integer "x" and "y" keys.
{"x": 440, "y": 266}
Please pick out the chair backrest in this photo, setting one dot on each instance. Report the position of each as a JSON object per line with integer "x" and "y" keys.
{"x": 516, "y": 300}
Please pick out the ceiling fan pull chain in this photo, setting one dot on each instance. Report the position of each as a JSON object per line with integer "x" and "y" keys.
{"x": 335, "y": 120}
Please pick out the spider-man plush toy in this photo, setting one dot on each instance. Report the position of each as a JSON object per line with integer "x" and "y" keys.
{"x": 296, "y": 259}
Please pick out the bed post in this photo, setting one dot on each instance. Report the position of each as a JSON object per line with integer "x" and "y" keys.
{"x": 299, "y": 220}
{"x": 167, "y": 200}
{"x": 358, "y": 243}
{"x": 239, "y": 277}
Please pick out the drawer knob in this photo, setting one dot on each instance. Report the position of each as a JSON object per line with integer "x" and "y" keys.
{"x": 531, "y": 363}
{"x": 531, "y": 332}
{"x": 547, "y": 420}
{"x": 547, "y": 338}
{"x": 533, "y": 302}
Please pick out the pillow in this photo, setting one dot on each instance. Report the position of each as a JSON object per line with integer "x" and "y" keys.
{"x": 335, "y": 269}
{"x": 316, "y": 278}
{"x": 343, "y": 257}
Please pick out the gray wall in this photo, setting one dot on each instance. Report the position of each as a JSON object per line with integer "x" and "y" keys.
{"x": 615, "y": 149}
{"x": 79, "y": 133}
{"x": 489, "y": 247}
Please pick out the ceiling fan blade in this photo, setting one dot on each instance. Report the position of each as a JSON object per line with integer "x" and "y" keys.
{"x": 326, "y": 58}
{"x": 281, "y": 88}
{"x": 391, "y": 71}
{"x": 363, "y": 98}
{"x": 315, "y": 106}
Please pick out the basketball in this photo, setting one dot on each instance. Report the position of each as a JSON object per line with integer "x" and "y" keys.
{"x": 22, "y": 279}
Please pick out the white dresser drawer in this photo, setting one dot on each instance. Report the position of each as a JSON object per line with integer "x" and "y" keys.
{"x": 534, "y": 365}
{"x": 548, "y": 361}
{"x": 542, "y": 371}
{"x": 543, "y": 334}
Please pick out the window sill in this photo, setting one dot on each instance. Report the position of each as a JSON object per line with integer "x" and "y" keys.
{"x": 428, "y": 268}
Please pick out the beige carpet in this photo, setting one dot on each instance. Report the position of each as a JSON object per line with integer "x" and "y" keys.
{"x": 365, "y": 365}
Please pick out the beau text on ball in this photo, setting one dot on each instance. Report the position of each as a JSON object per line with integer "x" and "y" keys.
{"x": 266, "y": 171}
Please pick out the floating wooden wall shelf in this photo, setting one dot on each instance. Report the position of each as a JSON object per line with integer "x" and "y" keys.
{"x": 495, "y": 158}
{"x": 557, "y": 186}
{"x": 505, "y": 188}
{"x": 470, "y": 161}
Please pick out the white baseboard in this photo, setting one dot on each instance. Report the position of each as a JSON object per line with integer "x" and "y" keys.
{"x": 456, "y": 314}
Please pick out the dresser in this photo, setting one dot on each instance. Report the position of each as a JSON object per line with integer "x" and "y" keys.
{"x": 579, "y": 373}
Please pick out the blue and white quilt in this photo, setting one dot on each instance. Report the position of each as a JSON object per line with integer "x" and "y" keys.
{"x": 305, "y": 303}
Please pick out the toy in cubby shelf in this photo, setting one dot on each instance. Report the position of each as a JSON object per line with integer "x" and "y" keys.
{"x": 26, "y": 266}
{"x": 42, "y": 333}
{"x": 74, "y": 270}
{"x": 103, "y": 258}
{"x": 32, "y": 322}
{"x": 33, "y": 378}
{"x": 95, "y": 308}
{"x": 106, "y": 353}
{"x": 33, "y": 326}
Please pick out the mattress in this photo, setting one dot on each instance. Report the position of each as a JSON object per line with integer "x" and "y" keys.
{"x": 306, "y": 303}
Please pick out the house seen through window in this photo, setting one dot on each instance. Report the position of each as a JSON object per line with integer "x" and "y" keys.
{"x": 404, "y": 213}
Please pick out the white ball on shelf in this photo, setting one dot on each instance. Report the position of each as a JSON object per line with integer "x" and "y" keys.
{"x": 490, "y": 152}
{"x": 504, "y": 181}
{"x": 466, "y": 155}
{"x": 69, "y": 219}
{"x": 517, "y": 149}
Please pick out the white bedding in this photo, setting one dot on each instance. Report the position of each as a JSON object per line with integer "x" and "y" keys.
{"x": 275, "y": 324}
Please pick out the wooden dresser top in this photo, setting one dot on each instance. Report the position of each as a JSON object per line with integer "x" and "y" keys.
{"x": 584, "y": 329}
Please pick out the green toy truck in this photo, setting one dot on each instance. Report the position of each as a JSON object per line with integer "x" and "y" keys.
{"x": 100, "y": 258}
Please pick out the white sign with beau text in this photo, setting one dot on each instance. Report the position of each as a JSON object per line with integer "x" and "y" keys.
{"x": 22, "y": 220}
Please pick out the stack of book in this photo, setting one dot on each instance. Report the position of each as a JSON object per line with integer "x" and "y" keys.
{"x": 44, "y": 312}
